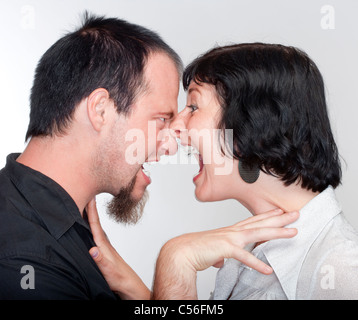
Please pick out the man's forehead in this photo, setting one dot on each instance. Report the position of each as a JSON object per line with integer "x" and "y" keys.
{"x": 161, "y": 72}
{"x": 159, "y": 95}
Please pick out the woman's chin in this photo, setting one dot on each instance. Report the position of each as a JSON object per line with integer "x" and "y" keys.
{"x": 200, "y": 194}
{"x": 205, "y": 190}
{"x": 203, "y": 195}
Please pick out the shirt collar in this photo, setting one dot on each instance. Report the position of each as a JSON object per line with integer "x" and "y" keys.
{"x": 53, "y": 205}
{"x": 286, "y": 256}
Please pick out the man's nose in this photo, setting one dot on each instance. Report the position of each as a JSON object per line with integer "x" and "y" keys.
{"x": 170, "y": 146}
{"x": 178, "y": 128}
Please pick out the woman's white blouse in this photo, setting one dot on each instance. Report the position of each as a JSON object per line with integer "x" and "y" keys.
{"x": 320, "y": 262}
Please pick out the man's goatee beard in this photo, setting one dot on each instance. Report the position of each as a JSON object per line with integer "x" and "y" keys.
{"x": 124, "y": 209}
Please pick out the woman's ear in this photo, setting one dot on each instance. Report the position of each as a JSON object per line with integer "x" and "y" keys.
{"x": 97, "y": 104}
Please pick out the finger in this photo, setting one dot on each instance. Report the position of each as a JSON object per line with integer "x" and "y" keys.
{"x": 273, "y": 221}
{"x": 260, "y": 217}
{"x": 95, "y": 254}
{"x": 99, "y": 259}
{"x": 95, "y": 225}
{"x": 92, "y": 212}
{"x": 266, "y": 234}
{"x": 251, "y": 261}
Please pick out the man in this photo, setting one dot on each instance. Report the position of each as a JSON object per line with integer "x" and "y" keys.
{"x": 93, "y": 90}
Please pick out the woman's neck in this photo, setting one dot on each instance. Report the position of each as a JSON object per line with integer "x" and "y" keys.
{"x": 270, "y": 193}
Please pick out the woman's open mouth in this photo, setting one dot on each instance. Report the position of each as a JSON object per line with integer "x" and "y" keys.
{"x": 201, "y": 166}
{"x": 192, "y": 150}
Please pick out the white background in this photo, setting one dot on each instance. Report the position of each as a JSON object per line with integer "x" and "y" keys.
{"x": 29, "y": 28}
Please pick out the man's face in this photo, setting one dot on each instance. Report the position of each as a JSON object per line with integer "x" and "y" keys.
{"x": 147, "y": 136}
{"x": 145, "y": 131}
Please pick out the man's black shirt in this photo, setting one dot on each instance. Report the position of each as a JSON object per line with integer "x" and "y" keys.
{"x": 44, "y": 240}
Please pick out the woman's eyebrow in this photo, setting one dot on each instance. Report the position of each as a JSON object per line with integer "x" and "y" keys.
{"x": 193, "y": 89}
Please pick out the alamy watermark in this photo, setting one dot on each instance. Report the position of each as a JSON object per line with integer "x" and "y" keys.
{"x": 28, "y": 17}
{"x": 328, "y": 21}
{"x": 328, "y": 278}
{"x": 28, "y": 280}
{"x": 215, "y": 145}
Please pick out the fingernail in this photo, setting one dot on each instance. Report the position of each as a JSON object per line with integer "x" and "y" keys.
{"x": 268, "y": 269}
{"x": 94, "y": 253}
{"x": 291, "y": 230}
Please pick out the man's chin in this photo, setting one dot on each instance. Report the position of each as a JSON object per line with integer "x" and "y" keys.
{"x": 127, "y": 209}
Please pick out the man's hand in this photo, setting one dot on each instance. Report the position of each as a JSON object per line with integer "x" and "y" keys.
{"x": 181, "y": 257}
{"x": 119, "y": 275}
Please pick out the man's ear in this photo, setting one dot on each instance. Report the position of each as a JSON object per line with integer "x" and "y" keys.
{"x": 97, "y": 104}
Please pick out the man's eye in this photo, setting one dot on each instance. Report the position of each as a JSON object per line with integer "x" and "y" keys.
{"x": 162, "y": 119}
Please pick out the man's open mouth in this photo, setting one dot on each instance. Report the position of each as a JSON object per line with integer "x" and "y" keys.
{"x": 146, "y": 172}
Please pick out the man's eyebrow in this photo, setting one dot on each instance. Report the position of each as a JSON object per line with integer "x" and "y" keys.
{"x": 170, "y": 115}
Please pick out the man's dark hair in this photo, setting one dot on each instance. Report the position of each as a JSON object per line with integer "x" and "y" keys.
{"x": 272, "y": 96}
{"x": 103, "y": 53}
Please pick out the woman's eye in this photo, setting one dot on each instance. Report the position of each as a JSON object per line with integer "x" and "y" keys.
{"x": 162, "y": 119}
{"x": 192, "y": 107}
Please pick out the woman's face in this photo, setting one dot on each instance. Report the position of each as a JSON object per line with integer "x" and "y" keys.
{"x": 196, "y": 125}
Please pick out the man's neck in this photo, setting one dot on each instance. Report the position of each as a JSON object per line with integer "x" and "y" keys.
{"x": 59, "y": 159}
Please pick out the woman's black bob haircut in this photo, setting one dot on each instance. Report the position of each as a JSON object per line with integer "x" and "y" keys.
{"x": 272, "y": 96}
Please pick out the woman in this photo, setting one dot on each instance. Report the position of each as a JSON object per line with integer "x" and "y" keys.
{"x": 269, "y": 105}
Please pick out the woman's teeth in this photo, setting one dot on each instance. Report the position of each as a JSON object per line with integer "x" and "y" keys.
{"x": 201, "y": 162}
{"x": 190, "y": 150}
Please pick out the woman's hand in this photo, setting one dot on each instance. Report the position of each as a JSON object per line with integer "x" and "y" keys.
{"x": 181, "y": 257}
{"x": 119, "y": 275}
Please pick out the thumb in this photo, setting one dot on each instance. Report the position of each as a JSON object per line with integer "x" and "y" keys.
{"x": 96, "y": 254}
